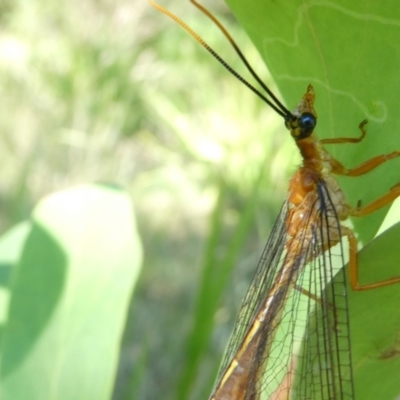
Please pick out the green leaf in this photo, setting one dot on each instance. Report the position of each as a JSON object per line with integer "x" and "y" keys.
{"x": 11, "y": 245}
{"x": 70, "y": 296}
{"x": 375, "y": 320}
{"x": 349, "y": 52}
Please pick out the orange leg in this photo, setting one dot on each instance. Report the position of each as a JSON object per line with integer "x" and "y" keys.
{"x": 359, "y": 211}
{"x": 316, "y": 298}
{"x": 348, "y": 140}
{"x": 365, "y": 167}
{"x": 310, "y": 295}
{"x": 353, "y": 266}
{"x": 377, "y": 204}
{"x": 371, "y": 164}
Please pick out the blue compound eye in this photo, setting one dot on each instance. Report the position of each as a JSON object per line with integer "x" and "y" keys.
{"x": 307, "y": 122}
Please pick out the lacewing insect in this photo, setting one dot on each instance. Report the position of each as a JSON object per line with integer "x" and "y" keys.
{"x": 295, "y": 273}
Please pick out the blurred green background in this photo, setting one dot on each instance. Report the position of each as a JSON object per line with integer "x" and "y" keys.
{"x": 114, "y": 91}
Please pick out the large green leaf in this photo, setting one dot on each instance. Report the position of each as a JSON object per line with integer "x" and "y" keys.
{"x": 349, "y": 52}
{"x": 375, "y": 321}
{"x": 70, "y": 296}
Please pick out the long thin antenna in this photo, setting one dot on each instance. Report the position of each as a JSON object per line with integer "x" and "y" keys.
{"x": 281, "y": 110}
{"x": 240, "y": 54}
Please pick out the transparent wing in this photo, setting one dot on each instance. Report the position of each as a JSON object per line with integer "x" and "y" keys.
{"x": 307, "y": 354}
{"x": 324, "y": 364}
{"x": 262, "y": 282}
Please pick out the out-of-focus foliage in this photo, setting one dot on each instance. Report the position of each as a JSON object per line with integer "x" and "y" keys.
{"x": 114, "y": 91}
{"x": 71, "y": 270}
